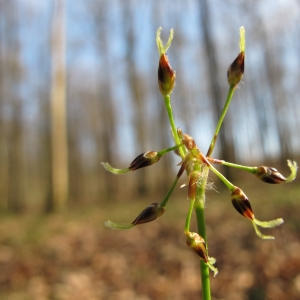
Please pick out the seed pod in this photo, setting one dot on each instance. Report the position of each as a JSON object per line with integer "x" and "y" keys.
{"x": 150, "y": 213}
{"x": 241, "y": 203}
{"x": 269, "y": 175}
{"x": 196, "y": 243}
{"x": 236, "y": 70}
{"x": 144, "y": 160}
{"x": 166, "y": 76}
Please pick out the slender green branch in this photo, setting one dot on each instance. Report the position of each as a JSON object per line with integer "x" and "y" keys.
{"x": 164, "y": 151}
{"x": 189, "y": 216}
{"x": 229, "y": 185}
{"x": 224, "y": 111}
{"x": 241, "y": 167}
{"x": 166, "y": 199}
{"x": 182, "y": 150}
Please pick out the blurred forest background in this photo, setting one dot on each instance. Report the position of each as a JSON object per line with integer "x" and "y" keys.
{"x": 78, "y": 86}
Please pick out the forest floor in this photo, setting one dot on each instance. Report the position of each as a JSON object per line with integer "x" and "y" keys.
{"x": 73, "y": 256}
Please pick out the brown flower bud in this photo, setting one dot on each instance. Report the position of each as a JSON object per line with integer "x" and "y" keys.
{"x": 236, "y": 70}
{"x": 144, "y": 160}
{"x": 196, "y": 243}
{"x": 188, "y": 141}
{"x": 150, "y": 213}
{"x": 166, "y": 76}
{"x": 269, "y": 175}
{"x": 241, "y": 203}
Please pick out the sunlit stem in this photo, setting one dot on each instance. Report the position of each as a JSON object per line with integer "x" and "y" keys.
{"x": 182, "y": 150}
{"x": 199, "y": 210}
{"x": 241, "y": 167}
{"x": 164, "y": 151}
{"x": 229, "y": 185}
{"x": 189, "y": 216}
{"x": 224, "y": 111}
{"x": 167, "y": 197}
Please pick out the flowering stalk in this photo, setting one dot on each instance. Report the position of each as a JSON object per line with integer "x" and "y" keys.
{"x": 146, "y": 159}
{"x": 197, "y": 166}
{"x": 166, "y": 82}
{"x": 235, "y": 74}
{"x": 264, "y": 173}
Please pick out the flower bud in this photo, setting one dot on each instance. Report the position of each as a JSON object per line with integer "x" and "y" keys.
{"x": 188, "y": 141}
{"x": 236, "y": 70}
{"x": 166, "y": 76}
{"x": 196, "y": 243}
{"x": 241, "y": 203}
{"x": 269, "y": 175}
{"x": 144, "y": 160}
{"x": 150, "y": 213}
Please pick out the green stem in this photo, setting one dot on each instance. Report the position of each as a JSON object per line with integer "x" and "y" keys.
{"x": 164, "y": 151}
{"x": 224, "y": 111}
{"x": 241, "y": 167}
{"x": 229, "y": 185}
{"x": 182, "y": 150}
{"x": 199, "y": 210}
{"x": 189, "y": 216}
{"x": 165, "y": 201}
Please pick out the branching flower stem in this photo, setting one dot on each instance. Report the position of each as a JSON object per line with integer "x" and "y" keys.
{"x": 182, "y": 150}
{"x": 199, "y": 210}
{"x": 199, "y": 202}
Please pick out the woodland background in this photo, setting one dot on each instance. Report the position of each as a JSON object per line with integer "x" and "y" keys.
{"x": 78, "y": 86}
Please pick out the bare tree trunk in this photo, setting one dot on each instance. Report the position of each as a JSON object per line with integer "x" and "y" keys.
{"x": 3, "y": 142}
{"x": 60, "y": 178}
{"x": 11, "y": 132}
{"x": 137, "y": 91}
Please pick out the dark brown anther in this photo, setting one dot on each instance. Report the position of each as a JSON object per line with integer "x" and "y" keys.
{"x": 236, "y": 70}
{"x": 166, "y": 76}
{"x": 150, "y": 213}
{"x": 241, "y": 203}
{"x": 269, "y": 175}
{"x": 146, "y": 159}
{"x": 196, "y": 243}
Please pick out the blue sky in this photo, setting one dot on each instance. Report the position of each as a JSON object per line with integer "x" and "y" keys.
{"x": 84, "y": 61}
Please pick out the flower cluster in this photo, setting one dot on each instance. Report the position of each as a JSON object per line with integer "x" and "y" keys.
{"x": 196, "y": 165}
